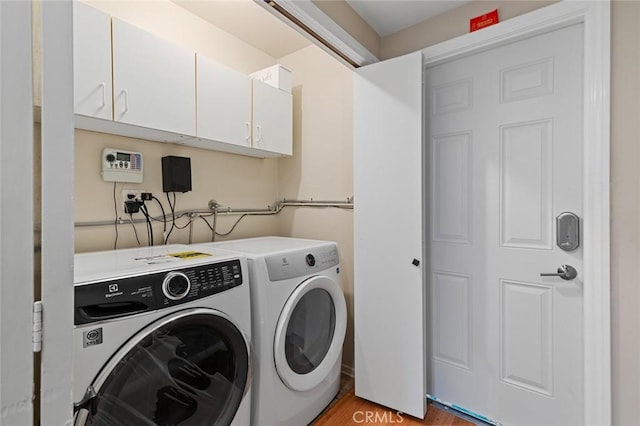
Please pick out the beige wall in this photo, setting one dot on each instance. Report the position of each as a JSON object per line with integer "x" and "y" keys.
{"x": 232, "y": 180}
{"x": 625, "y": 212}
{"x": 625, "y": 174}
{"x": 321, "y": 167}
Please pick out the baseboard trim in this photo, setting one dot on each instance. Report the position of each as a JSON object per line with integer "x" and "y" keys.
{"x": 348, "y": 370}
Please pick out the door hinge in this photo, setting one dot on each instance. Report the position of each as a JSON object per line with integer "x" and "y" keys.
{"x": 36, "y": 327}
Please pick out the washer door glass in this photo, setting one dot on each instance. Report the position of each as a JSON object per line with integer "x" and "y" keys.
{"x": 310, "y": 332}
{"x": 191, "y": 370}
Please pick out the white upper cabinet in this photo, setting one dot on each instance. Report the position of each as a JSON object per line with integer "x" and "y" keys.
{"x": 130, "y": 82}
{"x": 272, "y": 119}
{"x": 92, "y": 61}
{"x": 153, "y": 81}
{"x": 224, "y": 103}
{"x": 241, "y": 115}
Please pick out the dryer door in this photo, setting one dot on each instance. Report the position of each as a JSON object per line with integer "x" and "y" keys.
{"x": 191, "y": 368}
{"x": 310, "y": 332}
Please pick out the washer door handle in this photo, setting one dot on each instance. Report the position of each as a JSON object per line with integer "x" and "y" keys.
{"x": 88, "y": 402}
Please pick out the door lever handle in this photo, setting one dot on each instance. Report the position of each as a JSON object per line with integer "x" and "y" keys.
{"x": 566, "y": 272}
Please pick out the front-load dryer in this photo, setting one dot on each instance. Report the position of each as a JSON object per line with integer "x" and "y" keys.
{"x": 299, "y": 319}
{"x": 162, "y": 337}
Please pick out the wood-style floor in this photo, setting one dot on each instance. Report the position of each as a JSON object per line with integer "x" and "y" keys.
{"x": 351, "y": 410}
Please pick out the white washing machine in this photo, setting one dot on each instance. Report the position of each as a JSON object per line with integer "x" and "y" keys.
{"x": 162, "y": 337}
{"x": 299, "y": 319}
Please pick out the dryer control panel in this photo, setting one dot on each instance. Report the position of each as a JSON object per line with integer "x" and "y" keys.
{"x": 300, "y": 263}
{"x": 122, "y": 297}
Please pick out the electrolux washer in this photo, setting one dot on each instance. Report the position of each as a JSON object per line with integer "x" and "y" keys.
{"x": 299, "y": 321}
{"x": 162, "y": 337}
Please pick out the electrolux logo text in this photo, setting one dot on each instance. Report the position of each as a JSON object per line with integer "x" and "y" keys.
{"x": 113, "y": 291}
{"x": 385, "y": 417}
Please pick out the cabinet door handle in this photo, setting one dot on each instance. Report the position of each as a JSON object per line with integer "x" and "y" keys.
{"x": 126, "y": 100}
{"x": 246, "y": 123}
{"x": 104, "y": 95}
{"x": 259, "y": 129}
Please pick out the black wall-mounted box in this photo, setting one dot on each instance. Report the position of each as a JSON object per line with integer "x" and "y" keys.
{"x": 176, "y": 174}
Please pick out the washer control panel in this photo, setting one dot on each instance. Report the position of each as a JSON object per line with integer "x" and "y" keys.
{"x": 103, "y": 300}
{"x": 300, "y": 263}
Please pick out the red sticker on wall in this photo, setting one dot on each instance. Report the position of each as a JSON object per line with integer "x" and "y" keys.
{"x": 485, "y": 20}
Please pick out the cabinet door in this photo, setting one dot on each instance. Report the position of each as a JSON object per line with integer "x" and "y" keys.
{"x": 224, "y": 103}
{"x": 389, "y": 295}
{"x": 153, "y": 80}
{"x": 91, "y": 61}
{"x": 272, "y": 119}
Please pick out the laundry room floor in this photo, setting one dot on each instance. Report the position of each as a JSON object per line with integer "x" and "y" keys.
{"x": 347, "y": 409}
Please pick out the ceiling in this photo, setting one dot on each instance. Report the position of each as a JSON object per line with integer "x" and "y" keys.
{"x": 390, "y": 16}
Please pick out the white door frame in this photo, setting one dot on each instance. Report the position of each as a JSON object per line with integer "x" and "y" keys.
{"x": 595, "y": 16}
{"x": 16, "y": 214}
{"x": 57, "y": 170}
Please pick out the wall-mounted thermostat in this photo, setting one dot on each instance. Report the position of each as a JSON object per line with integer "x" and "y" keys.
{"x": 121, "y": 166}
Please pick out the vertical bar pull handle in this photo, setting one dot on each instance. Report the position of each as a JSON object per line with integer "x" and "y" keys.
{"x": 246, "y": 123}
{"x": 126, "y": 100}
{"x": 259, "y": 129}
{"x": 104, "y": 95}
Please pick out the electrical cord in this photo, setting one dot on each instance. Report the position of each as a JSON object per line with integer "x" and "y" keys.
{"x": 232, "y": 228}
{"x": 173, "y": 216}
{"x": 213, "y": 227}
{"x": 135, "y": 231}
{"x": 164, "y": 217}
{"x": 207, "y": 222}
{"x": 183, "y": 227}
{"x": 145, "y": 212}
{"x": 115, "y": 222}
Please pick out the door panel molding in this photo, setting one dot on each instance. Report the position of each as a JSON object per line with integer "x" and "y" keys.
{"x": 595, "y": 16}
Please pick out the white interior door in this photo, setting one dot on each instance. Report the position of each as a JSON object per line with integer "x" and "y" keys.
{"x": 389, "y": 298}
{"x": 505, "y": 129}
